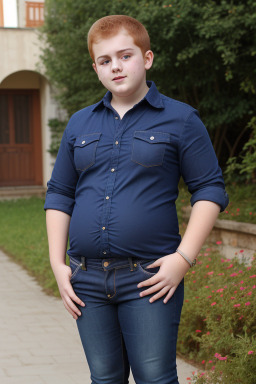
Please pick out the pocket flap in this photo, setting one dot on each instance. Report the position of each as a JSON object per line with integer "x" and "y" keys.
{"x": 153, "y": 137}
{"x": 84, "y": 140}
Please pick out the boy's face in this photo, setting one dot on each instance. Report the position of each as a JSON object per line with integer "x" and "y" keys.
{"x": 120, "y": 64}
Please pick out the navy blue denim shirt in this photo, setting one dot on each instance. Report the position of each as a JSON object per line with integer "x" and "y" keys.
{"x": 118, "y": 178}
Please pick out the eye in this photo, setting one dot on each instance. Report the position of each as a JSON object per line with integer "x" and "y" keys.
{"x": 126, "y": 57}
{"x": 105, "y": 62}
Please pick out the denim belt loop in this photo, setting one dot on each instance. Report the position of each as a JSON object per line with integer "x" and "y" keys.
{"x": 131, "y": 264}
{"x": 83, "y": 261}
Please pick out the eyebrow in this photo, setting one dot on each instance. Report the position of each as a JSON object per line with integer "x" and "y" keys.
{"x": 121, "y": 50}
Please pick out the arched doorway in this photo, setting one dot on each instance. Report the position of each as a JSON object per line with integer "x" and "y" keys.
{"x": 20, "y": 136}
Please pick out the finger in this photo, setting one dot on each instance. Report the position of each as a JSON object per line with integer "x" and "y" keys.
{"x": 152, "y": 289}
{"x": 156, "y": 263}
{"x": 76, "y": 299}
{"x": 169, "y": 295}
{"x": 75, "y": 316}
{"x": 159, "y": 294}
{"x": 153, "y": 280}
{"x": 70, "y": 304}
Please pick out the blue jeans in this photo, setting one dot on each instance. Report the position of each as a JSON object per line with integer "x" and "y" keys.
{"x": 119, "y": 329}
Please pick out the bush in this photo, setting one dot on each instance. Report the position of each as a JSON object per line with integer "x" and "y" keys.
{"x": 218, "y": 323}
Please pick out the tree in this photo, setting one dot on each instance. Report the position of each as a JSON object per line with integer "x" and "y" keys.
{"x": 204, "y": 55}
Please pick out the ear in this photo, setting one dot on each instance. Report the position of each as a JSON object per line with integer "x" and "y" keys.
{"x": 148, "y": 59}
{"x": 95, "y": 68}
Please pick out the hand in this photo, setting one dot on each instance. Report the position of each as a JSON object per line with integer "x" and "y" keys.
{"x": 172, "y": 270}
{"x": 62, "y": 274}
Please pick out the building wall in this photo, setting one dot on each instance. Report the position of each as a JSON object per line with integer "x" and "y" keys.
{"x": 21, "y": 4}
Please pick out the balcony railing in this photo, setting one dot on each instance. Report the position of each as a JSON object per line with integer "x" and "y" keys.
{"x": 34, "y": 14}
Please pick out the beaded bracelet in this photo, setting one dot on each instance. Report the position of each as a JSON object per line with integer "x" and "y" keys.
{"x": 191, "y": 263}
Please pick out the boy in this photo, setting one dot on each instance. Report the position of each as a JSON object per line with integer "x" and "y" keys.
{"x": 113, "y": 189}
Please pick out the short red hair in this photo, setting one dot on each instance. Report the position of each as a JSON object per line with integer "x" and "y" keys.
{"x": 109, "y": 26}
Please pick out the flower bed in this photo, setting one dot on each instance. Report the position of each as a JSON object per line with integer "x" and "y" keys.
{"x": 218, "y": 323}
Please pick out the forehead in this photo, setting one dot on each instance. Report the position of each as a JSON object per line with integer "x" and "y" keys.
{"x": 111, "y": 45}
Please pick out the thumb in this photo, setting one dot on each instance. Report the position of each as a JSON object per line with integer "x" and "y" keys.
{"x": 156, "y": 263}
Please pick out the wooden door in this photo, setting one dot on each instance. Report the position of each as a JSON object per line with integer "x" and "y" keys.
{"x": 20, "y": 138}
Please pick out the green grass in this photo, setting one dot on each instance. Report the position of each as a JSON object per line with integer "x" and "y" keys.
{"x": 23, "y": 237}
{"x": 242, "y": 203}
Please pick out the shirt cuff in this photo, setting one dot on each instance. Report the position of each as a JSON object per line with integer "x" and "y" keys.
{"x": 59, "y": 202}
{"x": 215, "y": 194}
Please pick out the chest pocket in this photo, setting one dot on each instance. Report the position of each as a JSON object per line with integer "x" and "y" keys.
{"x": 148, "y": 147}
{"x": 85, "y": 150}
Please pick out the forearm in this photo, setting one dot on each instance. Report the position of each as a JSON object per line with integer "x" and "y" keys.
{"x": 202, "y": 219}
{"x": 57, "y": 224}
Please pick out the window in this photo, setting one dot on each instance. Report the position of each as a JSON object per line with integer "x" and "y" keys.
{"x": 35, "y": 14}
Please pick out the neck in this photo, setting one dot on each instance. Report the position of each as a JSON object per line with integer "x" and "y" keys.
{"x": 123, "y": 103}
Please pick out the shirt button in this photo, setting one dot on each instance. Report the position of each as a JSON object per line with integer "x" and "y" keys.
{"x": 106, "y": 264}
{"x": 83, "y": 142}
{"x": 112, "y": 169}
{"x": 107, "y": 197}
{"x": 116, "y": 117}
{"x": 103, "y": 228}
{"x": 151, "y": 137}
{"x": 116, "y": 143}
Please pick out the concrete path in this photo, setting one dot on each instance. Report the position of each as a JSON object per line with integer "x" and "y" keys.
{"x": 39, "y": 341}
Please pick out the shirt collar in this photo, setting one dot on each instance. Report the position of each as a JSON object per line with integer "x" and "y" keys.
{"x": 153, "y": 97}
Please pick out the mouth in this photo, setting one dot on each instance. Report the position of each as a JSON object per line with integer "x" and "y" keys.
{"x": 118, "y": 78}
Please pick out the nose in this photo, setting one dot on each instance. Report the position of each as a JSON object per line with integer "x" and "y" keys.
{"x": 116, "y": 66}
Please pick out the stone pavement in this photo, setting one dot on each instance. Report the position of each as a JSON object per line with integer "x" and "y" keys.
{"x": 39, "y": 341}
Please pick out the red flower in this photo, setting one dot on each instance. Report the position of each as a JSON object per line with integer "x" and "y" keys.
{"x": 198, "y": 331}
{"x": 234, "y": 274}
{"x": 230, "y": 266}
{"x": 237, "y": 305}
{"x": 214, "y": 303}
{"x": 250, "y": 352}
{"x": 203, "y": 361}
{"x": 218, "y": 242}
{"x": 252, "y": 276}
{"x": 248, "y": 303}
{"x": 210, "y": 273}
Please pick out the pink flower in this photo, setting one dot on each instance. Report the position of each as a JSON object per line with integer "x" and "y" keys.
{"x": 210, "y": 273}
{"x": 207, "y": 286}
{"x": 208, "y": 297}
{"x": 241, "y": 282}
{"x": 223, "y": 358}
{"x": 193, "y": 272}
{"x": 240, "y": 318}
{"x": 218, "y": 242}
{"x": 238, "y": 209}
{"x": 220, "y": 274}
{"x": 220, "y": 290}
{"x": 254, "y": 286}
{"x": 241, "y": 251}
{"x": 252, "y": 276}
{"x": 232, "y": 298}
{"x": 240, "y": 271}
{"x": 248, "y": 303}
{"x": 249, "y": 293}
{"x": 214, "y": 303}
{"x": 233, "y": 274}
{"x": 188, "y": 378}
{"x": 207, "y": 266}
{"x": 217, "y": 355}
{"x": 237, "y": 305}
{"x": 250, "y": 352}
{"x": 203, "y": 361}
{"x": 208, "y": 333}
{"x": 242, "y": 288}
{"x": 202, "y": 373}
{"x": 198, "y": 331}
{"x": 230, "y": 266}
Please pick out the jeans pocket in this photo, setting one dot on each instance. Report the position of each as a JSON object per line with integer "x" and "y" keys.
{"x": 85, "y": 151}
{"x": 75, "y": 268}
{"x": 149, "y": 272}
{"x": 148, "y": 147}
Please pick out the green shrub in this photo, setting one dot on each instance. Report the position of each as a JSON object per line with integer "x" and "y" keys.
{"x": 218, "y": 322}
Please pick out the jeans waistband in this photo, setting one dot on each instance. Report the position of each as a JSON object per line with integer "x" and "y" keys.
{"x": 107, "y": 264}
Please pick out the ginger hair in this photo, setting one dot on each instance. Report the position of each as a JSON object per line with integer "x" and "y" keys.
{"x": 109, "y": 26}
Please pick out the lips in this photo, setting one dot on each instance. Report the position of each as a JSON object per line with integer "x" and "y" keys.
{"x": 118, "y": 78}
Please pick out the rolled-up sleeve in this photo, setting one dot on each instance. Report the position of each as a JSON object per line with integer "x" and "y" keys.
{"x": 199, "y": 165}
{"x": 62, "y": 185}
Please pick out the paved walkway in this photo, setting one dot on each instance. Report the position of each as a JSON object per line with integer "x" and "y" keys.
{"x": 39, "y": 342}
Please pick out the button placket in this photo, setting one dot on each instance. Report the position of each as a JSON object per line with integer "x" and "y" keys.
{"x": 110, "y": 186}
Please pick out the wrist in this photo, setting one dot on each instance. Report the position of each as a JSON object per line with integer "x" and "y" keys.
{"x": 190, "y": 262}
